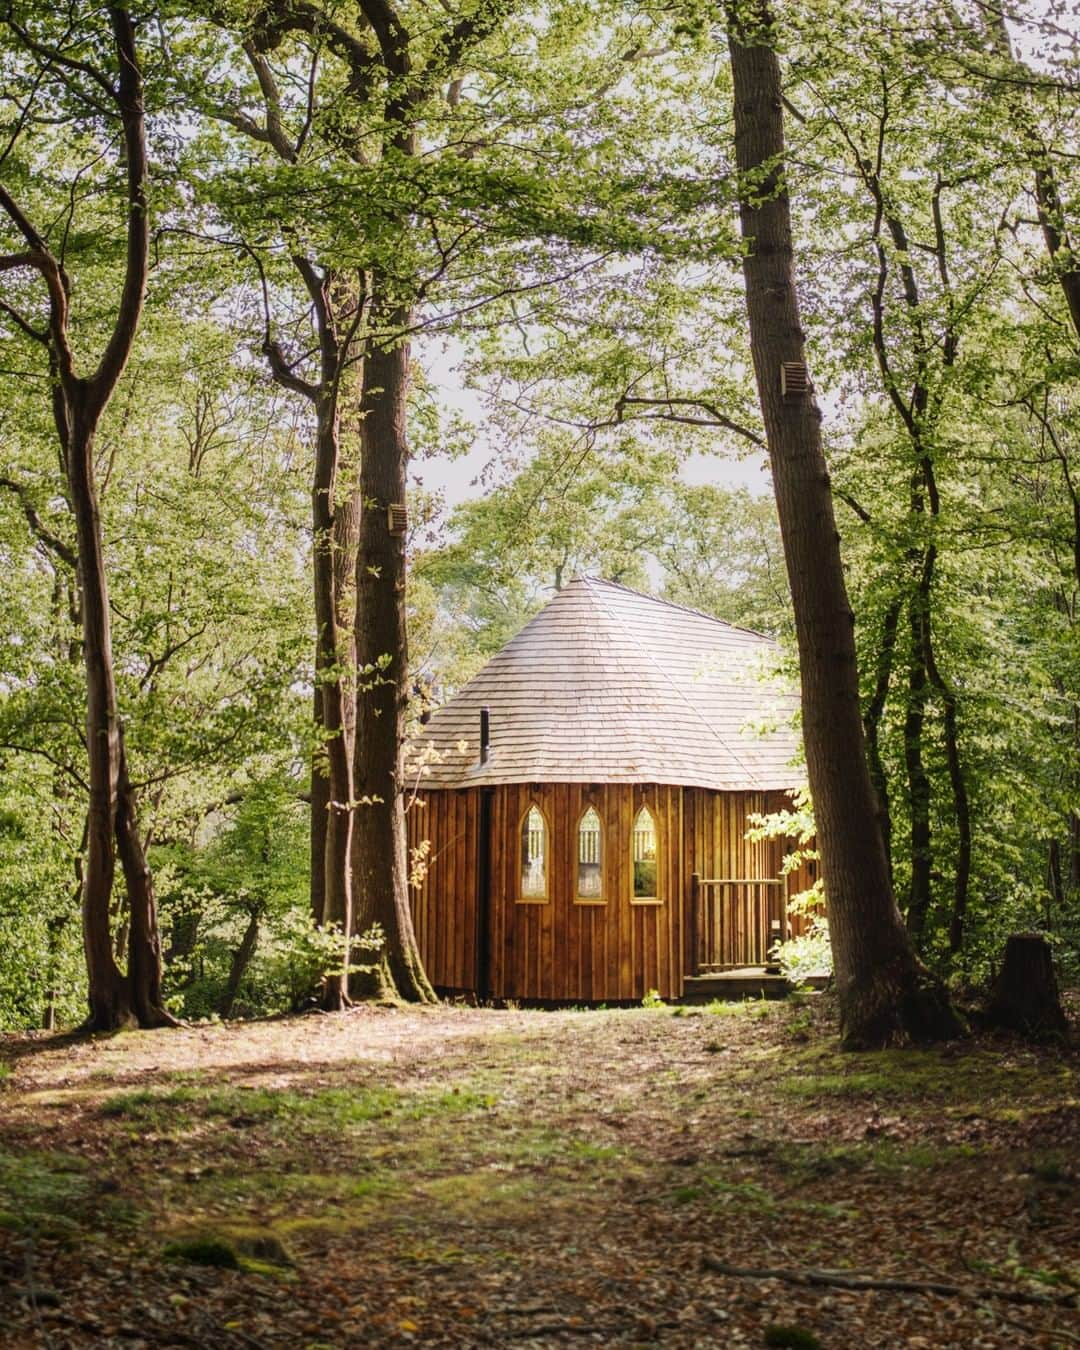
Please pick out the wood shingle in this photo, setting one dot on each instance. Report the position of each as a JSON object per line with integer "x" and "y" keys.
{"x": 606, "y": 685}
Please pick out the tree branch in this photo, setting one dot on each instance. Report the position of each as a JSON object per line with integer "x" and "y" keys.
{"x": 716, "y": 417}
{"x": 38, "y": 527}
{"x": 129, "y": 100}
{"x": 839, "y": 1279}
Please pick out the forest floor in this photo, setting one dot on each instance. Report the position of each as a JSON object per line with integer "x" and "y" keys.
{"x": 467, "y": 1177}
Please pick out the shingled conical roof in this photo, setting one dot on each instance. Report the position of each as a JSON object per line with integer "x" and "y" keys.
{"x": 606, "y": 685}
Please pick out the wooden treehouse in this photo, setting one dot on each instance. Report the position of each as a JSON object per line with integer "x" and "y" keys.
{"x": 583, "y": 803}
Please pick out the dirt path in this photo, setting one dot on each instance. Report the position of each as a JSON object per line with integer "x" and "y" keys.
{"x": 467, "y": 1177}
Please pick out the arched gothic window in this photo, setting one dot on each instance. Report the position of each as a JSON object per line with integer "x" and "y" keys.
{"x": 590, "y": 855}
{"x": 644, "y": 855}
{"x": 534, "y": 855}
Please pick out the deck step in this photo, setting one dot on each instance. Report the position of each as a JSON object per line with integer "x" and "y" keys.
{"x": 745, "y": 982}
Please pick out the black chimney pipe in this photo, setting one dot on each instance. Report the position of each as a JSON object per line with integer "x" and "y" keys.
{"x": 485, "y": 734}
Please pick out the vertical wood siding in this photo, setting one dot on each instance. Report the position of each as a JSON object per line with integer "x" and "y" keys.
{"x": 560, "y": 950}
{"x": 444, "y": 905}
{"x": 597, "y": 952}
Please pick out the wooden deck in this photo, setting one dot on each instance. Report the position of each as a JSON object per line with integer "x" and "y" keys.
{"x": 744, "y": 982}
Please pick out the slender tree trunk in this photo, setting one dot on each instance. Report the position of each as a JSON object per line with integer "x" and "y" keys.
{"x": 380, "y": 850}
{"x": 1074, "y": 817}
{"x": 1065, "y": 258}
{"x": 78, "y": 403}
{"x": 884, "y": 993}
{"x": 958, "y": 785}
{"x": 872, "y": 717}
{"x": 144, "y": 939}
{"x": 320, "y": 807}
{"x": 116, "y": 999}
{"x": 241, "y": 959}
{"x": 110, "y": 1003}
{"x": 337, "y": 875}
{"x": 921, "y": 853}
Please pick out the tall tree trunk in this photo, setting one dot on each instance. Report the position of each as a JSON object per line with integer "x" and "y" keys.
{"x": 884, "y": 994}
{"x": 872, "y": 718}
{"x": 320, "y": 808}
{"x": 144, "y": 938}
{"x": 78, "y": 404}
{"x": 116, "y": 999}
{"x": 957, "y": 782}
{"x": 921, "y": 852}
{"x": 380, "y": 850}
{"x": 110, "y": 1004}
{"x": 337, "y": 875}
{"x": 241, "y": 959}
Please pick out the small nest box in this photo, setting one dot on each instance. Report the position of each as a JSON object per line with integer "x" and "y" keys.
{"x": 397, "y": 518}
{"x": 794, "y": 379}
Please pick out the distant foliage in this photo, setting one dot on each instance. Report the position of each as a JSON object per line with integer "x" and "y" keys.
{"x": 40, "y": 937}
{"x": 246, "y": 874}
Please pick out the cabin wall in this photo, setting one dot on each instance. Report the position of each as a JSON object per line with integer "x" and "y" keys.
{"x": 560, "y": 949}
{"x": 444, "y": 905}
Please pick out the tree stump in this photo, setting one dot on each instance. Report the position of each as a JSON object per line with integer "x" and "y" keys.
{"x": 1025, "y": 994}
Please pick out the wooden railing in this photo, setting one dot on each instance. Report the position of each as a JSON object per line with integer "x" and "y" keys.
{"x": 735, "y": 921}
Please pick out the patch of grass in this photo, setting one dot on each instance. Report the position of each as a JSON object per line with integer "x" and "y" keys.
{"x": 814, "y": 1161}
{"x": 152, "y": 1106}
{"x": 754, "y": 1008}
{"x": 43, "y": 1193}
{"x": 960, "y": 1082}
{"x": 1052, "y": 1168}
{"x": 585, "y": 1151}
{"x": 1014, "y": 1269}
{"x": 721, "y": 1192}
{"x": 493, "y": 1197}
{"x": 275, "y": 1191}
{"x": 176, "y": 1108}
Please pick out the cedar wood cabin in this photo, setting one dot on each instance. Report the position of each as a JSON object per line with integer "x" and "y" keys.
{"x": 585, "y": 799}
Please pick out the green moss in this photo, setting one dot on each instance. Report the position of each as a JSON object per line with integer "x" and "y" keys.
{"x": 203, "y": 1251}
{"x": 278, "y": 1193}
{"x": 790, "y": 1338}
{"x": 50, "y": 1194}
{"x": 1052, "y": 1168}
{"x": 259, "y": 1247}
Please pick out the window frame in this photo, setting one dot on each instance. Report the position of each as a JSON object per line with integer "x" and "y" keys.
{"x": 544, "y": 899}
{"x": 657, "y": 898}
{"x": 580, "y": 899}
